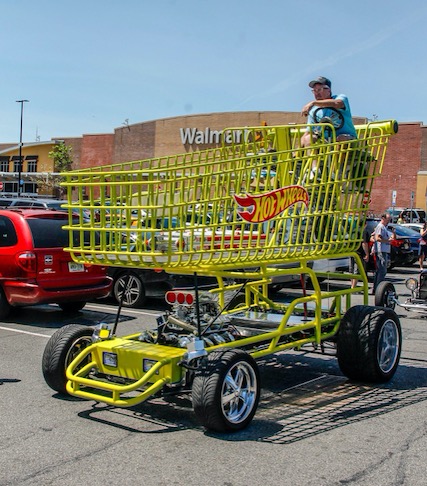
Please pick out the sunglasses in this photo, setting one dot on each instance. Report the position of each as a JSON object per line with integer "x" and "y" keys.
{"x": 314, "y": 90}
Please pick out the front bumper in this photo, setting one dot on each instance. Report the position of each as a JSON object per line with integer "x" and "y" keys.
{"x": 141, "y": 370}
{"x": 416, "y": 305}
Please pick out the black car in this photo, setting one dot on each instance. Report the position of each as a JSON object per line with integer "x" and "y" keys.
{"x": 412, "y": 235}
{"x": 138, "y": 284}
{"x": 401, "y": 252}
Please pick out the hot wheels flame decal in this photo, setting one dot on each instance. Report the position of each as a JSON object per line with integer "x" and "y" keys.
{"x": 267, "y": 206}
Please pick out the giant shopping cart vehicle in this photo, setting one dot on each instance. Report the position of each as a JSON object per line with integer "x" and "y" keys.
{"x": 249, "y": 212}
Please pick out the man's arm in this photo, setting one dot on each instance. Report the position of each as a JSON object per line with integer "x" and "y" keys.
{"x": 329, "y": 103}
{"x": 385, "y": 237}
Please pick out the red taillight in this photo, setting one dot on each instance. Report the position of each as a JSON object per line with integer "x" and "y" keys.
{"x": 27, "y": 261}
{"x": 170, "y": 297}
{"x": 179, "y": 297}
{"x": 399, "y": 242}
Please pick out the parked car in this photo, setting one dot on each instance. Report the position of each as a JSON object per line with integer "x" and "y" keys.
{"x": 394, "y": 212}
{"x": 35, "y": 269}
{"x": 52, "y": 204}
{"x": 386, "y": 295}
{"x": 5, "y": 202}
{"x": 415, "y": 226}
{"x": 401, "y": 253}
{"x": 412, "y": 235}
{"x": 413, "y": 215}
{"x": 138, "y": 284}
{"x": 29, "y": 202}
{"x": 332, "y": 265}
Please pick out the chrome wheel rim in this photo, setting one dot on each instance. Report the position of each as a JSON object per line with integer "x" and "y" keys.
{"x": 239, "y": 392}
{"x": 389, "y": 298}
{"x": 76, "y": 348}
{"x": 130, "y": 288}
{"x": 388, "y": 346}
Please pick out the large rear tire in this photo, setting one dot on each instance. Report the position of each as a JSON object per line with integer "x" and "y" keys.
{"x": 226, "y": 390}
{"x": 369, "y": 343}
{"x": 60, "y": 350}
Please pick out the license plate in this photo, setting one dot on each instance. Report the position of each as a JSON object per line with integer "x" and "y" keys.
{"x": 75, "y": 267}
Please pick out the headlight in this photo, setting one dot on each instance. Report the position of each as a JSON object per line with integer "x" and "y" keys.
{"x": 109, "y": 359}
{"x": 411, "y": 283}
{"x": 147, "y": 364}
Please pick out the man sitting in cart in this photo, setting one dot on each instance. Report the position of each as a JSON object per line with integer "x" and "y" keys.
{"x": 329, "y": 107}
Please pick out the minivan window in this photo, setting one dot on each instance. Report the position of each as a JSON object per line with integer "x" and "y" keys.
{"x": 8, "y": 235}
{"x": 48, "y": 233}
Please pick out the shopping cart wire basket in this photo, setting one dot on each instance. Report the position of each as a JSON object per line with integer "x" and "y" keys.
{"x": 258, "y": 199}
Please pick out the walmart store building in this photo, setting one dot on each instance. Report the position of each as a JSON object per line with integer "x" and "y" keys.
{"x": 404, "y": 172}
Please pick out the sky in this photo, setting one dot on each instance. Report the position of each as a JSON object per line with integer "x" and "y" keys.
{"x": 90, "y": 66}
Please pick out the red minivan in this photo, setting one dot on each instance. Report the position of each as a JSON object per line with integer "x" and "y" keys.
{"x": 34, "y": 268}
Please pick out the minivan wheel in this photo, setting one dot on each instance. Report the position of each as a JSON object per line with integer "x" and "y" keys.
{"x": 5, "y": 307}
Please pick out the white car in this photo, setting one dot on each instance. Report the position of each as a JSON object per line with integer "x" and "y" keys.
{"x": 332, "y": 265}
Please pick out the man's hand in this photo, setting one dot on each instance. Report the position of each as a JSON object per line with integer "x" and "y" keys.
{"x": 306, "y": 108}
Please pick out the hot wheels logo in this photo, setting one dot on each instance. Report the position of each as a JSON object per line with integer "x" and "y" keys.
{"x": 267, "y": 206}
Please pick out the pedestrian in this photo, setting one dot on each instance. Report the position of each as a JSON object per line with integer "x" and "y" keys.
{"x": 330, "y": 105}
{"x": 382, "y": 239}
{"x": 364, "y": 252}
{"x": 422, "y": 249}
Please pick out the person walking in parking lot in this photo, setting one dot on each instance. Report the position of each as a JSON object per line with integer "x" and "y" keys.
{"x": 422, "y": 250}
{"x": 363, "y": 252}
{"x": 382, "y": 239}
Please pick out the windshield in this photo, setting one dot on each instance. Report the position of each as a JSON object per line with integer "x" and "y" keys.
{"x": 403, "y": 230}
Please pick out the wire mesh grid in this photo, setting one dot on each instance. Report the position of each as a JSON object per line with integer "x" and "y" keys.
{"x": 257, "y": 199}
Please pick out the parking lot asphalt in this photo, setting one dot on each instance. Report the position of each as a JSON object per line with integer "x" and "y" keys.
{"x": 313, "y": 425}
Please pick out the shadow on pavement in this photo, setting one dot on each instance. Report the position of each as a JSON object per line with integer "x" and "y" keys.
{"x": 302, "y": 396}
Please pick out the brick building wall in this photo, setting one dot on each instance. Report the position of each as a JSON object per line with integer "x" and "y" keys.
{"x": 76, "y": 150}
{"x": 400, "y": 170}
{"x": 406, "y": 154}
{"x": 97, "y": 150}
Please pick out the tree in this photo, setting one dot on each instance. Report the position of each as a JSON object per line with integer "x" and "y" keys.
{"x": 62, "y": 157}
{"x": 62, "y": 162}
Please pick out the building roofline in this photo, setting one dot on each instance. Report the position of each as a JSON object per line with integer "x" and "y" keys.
{"x": 32, "y": 144}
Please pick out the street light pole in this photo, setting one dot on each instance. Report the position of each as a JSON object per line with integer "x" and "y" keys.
{"x": 20, "y": 146}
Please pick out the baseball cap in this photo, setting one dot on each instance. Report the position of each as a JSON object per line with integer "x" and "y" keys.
{"x": 320, "y": 80}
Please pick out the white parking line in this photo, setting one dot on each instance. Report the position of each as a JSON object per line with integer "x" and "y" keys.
{"x": 127, "y": 310}
{"x": 24, "y": 332}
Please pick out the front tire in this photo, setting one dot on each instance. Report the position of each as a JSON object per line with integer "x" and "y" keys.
{"x": 385, "y": 294}
{"x": 64, "y": 345}
{"x": 369, "y": 343}
{"x": 226, "y": 390}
